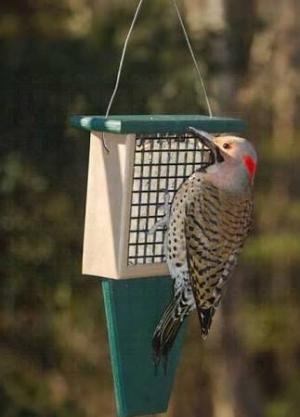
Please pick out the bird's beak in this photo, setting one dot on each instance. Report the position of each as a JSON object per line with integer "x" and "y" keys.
{"x": 208, "y": 140}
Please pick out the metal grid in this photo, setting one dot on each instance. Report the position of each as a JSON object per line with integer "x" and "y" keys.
{"x": 161, "y": 164}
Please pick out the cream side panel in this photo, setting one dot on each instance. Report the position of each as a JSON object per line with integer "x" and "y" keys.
{"x": 128, "y": 170}
{"x": 103, "y": 207}
{"x": 106, "y": 233}
{"x": 147, "y": 270}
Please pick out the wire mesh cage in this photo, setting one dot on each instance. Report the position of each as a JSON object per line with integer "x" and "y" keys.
{"x": 128, "y": 187}
{"x": 161, "y": 163}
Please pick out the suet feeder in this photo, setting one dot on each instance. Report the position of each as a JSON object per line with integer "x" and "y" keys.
{"x": 149, "y": 156}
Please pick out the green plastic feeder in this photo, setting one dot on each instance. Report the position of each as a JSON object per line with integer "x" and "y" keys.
{"x": 148, "y": 156}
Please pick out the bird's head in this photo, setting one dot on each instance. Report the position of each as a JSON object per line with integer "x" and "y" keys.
{"x": 234, "y": 159}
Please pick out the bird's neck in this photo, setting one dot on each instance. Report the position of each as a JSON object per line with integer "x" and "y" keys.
{"x": 229, "y": 177}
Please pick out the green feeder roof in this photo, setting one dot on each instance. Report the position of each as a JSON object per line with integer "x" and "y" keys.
{"x": 157, "y": 123}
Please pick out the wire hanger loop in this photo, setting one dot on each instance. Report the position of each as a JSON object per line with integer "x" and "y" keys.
{"x": 190, "y": 48}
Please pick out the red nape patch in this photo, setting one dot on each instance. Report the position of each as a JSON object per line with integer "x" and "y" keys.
{"x": 250, "y": 165}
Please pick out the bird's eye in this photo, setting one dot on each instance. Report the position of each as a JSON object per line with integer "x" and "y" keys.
{"x": 226, "y": 146}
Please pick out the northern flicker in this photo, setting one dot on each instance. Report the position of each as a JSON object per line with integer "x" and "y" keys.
{"x": 208, "y": 223}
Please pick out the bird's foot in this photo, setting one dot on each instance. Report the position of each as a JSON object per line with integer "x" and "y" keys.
{"x": 164, "y": 221}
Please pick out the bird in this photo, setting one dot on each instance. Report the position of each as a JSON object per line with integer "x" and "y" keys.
{"x": 208, "y": 222}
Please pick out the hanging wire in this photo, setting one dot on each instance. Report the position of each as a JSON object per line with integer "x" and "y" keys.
{"x": 123, "y": 58}
{"x": 193, "y": 57}
{"x": 120, "y": 67}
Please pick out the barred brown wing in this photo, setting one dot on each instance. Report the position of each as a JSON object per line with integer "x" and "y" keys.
{"x": 216, "y": 227}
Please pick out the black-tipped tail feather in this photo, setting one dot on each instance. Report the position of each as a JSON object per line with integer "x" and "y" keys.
{"x": 165, "y": 334}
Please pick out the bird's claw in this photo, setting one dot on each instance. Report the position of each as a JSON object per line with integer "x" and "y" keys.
{"x": 163, "y": 222}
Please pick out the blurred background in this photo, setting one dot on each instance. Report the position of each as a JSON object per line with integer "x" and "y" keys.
{"x": 59, "y": 58}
